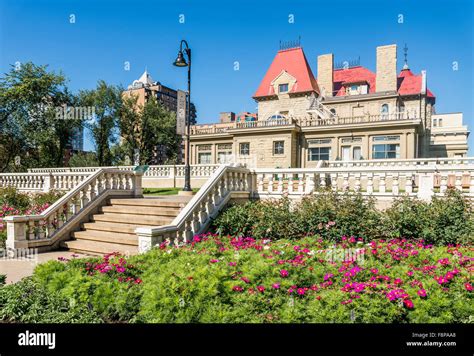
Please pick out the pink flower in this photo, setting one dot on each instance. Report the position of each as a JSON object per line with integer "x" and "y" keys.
{"x": 346, "y": 301}
{"x": 284, "y": 273}
{"x": 300, "y": 291}
{"x": 408, "y": 303}
{"x": 468, "y": 287}
{"x": 237, "y": 289}
{"x": 214, "y": 261}
{"x": 261, "y": 289}
{"x": 232, "y": 264}
{"x": 245, "y": 279}
{"x": 352, "y": 239}
{"x": 276, "y": 285}
{"x": 397, "y": 281}
{"x": 120, "y": 269}
{"x": 422, "y": 293}
{"x": 328, "y": 276}
{"x": 410, "y": 273}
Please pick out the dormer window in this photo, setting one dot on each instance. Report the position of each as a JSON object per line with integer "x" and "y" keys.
{"x": 283, "y": 88}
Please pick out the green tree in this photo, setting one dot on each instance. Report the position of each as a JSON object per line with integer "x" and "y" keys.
{"x": 29, "y": 125}
{"x": 144, "y": 128}
{"x": 107, "y": 102}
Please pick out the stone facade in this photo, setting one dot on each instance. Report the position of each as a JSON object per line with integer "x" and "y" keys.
{"x": 349, "y": 114}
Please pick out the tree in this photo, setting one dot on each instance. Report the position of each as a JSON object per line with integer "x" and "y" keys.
{"x": 107, "y": 101}
{"x": 144, "y": 128}
{"x": 29, "y": 125}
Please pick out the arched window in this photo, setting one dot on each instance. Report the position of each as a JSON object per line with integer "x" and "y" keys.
{"x": 384, "y": 111}
{"x": 333, "y": 111}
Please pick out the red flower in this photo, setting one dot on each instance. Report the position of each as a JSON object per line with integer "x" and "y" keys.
{"x": 408, "y": 303}
{"x": 261, "y": 289}
{"x": 468, "y": 287}
{"x": 284, "y": 273}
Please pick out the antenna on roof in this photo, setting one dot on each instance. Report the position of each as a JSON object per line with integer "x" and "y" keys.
{"x": 405, "y": 53}
{"x": 290, "y": 44}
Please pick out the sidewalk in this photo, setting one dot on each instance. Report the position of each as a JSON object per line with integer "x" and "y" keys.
{"x": 18, "y": 269}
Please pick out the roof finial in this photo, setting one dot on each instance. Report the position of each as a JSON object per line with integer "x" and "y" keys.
{"x": 405, "y": 53}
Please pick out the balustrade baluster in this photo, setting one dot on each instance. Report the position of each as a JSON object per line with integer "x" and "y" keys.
{"x": 357, "y": 184}
{"x": 458, "y": 182}
{"x": 301, "y": 181}
{"x": 370, "y": 183}
{"x": 270, "y": 184}
{"x": 322, "y": 180}
{"x": 290, "y": 183}
{"x": 443, "y": 185}
{"x": 334, "y": 178}
{"x": 188, "y": 233}
{"x": 280, "y": 183}
{"x": 408, "y": 183}
{"x": 31, "y": 230}
{"x": 382, "y": 183}
{"x": 345, "y": 182}
{"x": 309, "y": 183}
{"x": 260, "y": 178}
{"x": 395, "y": 184}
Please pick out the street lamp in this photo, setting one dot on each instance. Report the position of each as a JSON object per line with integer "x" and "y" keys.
{"x": 181, "y": 62}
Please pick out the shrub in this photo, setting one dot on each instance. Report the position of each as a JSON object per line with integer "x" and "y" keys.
{"x": 29, "y": 302}
{"x": 3, "y": 279}
{"x": 326, "y": 213}
{"x": 241, "y": 279}
{"x": 446, "y": 220}
{"x": 12, "y": 197}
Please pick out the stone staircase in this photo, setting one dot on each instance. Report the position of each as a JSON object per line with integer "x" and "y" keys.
{"x": 113, "y": 228}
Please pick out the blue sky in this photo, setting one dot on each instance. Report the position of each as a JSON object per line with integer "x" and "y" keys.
{"x": 147, "y": 33}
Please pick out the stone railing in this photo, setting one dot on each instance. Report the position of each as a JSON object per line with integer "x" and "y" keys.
{"x": 46, "y": 230}
{"x": 226, "y": 182}
{"x": 350, "y": 120}
{"x": 41, "y": 182}
{"x": 423, "y": 181}
{"x": 451, "y": 161}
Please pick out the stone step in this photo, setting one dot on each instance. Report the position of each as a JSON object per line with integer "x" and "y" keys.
{"x": 133, "y": 219}
{"x": 141, "y": 210}
{"x": 110, "y": 226}
{"x": 98, "y": 248}
{"x": 107, "y": 236}
{"x": 162, "y": 202}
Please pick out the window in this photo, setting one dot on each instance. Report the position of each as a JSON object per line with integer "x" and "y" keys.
{"x": 384, "y": 151}
{"x": 435, "y": 122}
{"x": 440, "y": 122}
{"x": 283, "y": 88}
{"x": 224, "y": 153}
{"x": 384, "y": 110}
{"x": 333, "y": 111}
{"x": 204, "y": 158}
{"x": 319, "y": 153}
{"x": 321, "y": 141}
{"x": 244, "y": 149}
{"x": 276, "y": 117}
{"x": 278, "y": 147}
{"x": 385, "y": 138}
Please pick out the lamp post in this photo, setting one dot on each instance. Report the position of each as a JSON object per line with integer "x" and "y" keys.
{"x": 181, "y": 62}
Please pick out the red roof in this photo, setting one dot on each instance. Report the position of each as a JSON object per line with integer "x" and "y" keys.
{"x": 408, "y": 83}
{"x": 352, "y": 75}
{"x": 294, "y": 62}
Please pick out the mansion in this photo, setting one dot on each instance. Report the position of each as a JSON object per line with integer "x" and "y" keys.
{"x": 345, "y": 113}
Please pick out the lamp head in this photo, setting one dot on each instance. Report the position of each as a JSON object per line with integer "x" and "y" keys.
{"x": 180, "y": 60}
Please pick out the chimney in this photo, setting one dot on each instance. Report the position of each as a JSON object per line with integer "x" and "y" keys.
{"x": 423, "y": 82}
{"x": 226, "y": 117}
{"x": 325, "y": 74}
{"x": 386, "y": 79}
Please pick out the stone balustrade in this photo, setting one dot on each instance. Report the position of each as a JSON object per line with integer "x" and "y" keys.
{"x": 42, "y": 182}
{"x": 45, "y": 231}
{"x": 226, "y": 182}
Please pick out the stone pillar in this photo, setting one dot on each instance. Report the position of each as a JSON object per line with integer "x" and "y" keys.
{"x": 425, "y": 186}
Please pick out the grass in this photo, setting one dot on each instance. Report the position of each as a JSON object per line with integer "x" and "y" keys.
{"x": 163, "y": 191}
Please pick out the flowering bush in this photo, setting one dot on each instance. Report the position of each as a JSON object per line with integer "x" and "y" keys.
{"x": 13, "y": 202}
{"x": 242, "y": 279}
{"x": 446, "y": 220}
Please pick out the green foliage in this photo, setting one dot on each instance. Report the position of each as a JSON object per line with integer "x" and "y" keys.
{"x": 3, "y": 279}
{"x": 196, "y": 283}
{"x": 29, "y": 302}
{"x": 143, "y": 128}
{"x": 14, "y": 198}
{"x": 327, "y": 214}
{"x": 446, "y": 220}
{"x": 29, "y": 96}
{"x": 84, "y": 159}
{"x": 107, "y": 101}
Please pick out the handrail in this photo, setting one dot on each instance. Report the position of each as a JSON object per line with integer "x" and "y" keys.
{"x": 60, "y": 217}
{"x": 205, "y": 205}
